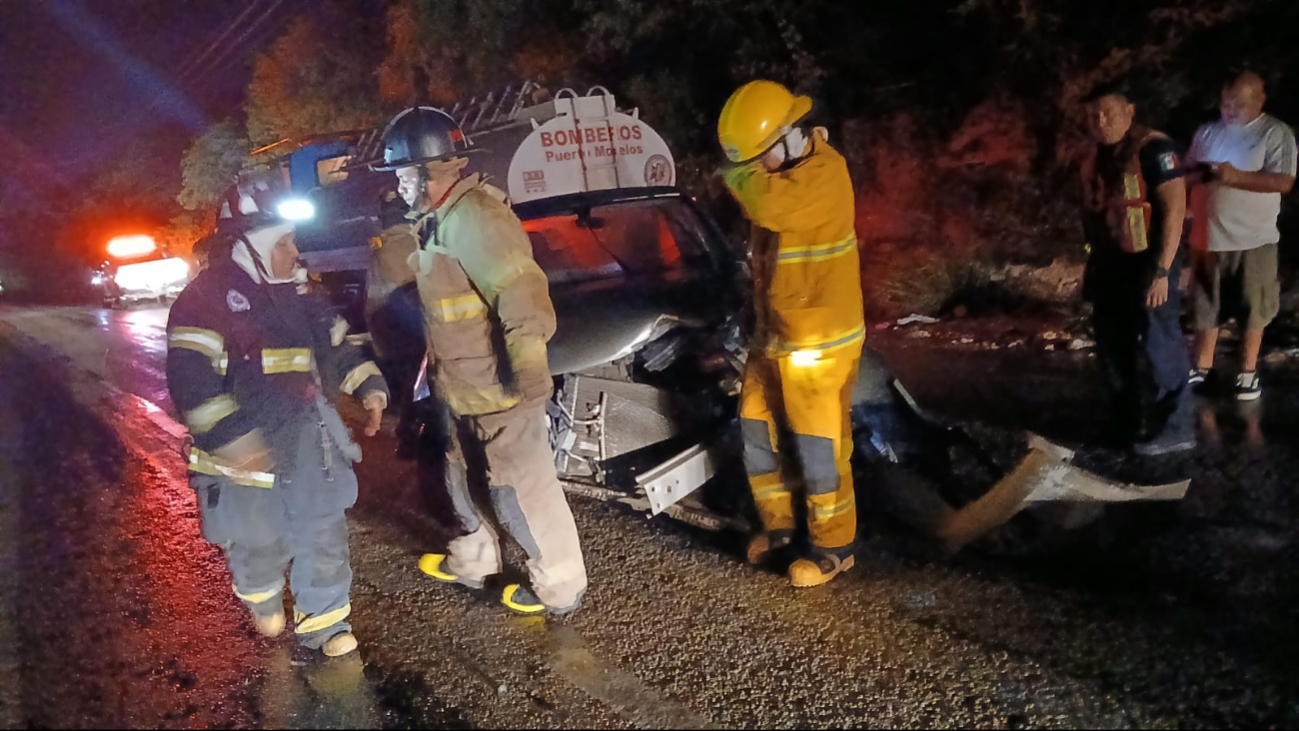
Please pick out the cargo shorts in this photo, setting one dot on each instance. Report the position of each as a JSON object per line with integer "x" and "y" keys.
{"x": 1237, "y": 284}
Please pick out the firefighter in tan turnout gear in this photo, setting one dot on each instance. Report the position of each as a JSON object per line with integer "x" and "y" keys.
{"x": 488, "y": 317}
{"x": 253, "y": 364}
{"x": 796, "y": 397}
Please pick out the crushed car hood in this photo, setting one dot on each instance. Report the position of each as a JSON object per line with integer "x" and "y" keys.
{"x": 599, "y": 322}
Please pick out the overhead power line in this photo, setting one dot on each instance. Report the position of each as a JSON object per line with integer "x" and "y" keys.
{"x": 223, "y": 57}
{"x": 193, "y": 62}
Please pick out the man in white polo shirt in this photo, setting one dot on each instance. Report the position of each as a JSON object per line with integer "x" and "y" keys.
{"x": 1251, "y": 158}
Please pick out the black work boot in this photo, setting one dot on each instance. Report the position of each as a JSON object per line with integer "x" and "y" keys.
{"x": 764, "y": 546}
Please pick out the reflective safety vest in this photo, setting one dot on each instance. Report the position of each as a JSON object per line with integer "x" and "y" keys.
{"x": 1118, "y": 199}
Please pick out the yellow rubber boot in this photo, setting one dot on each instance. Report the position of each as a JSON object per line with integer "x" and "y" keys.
{"x": 820, "y": 568}
{"x": 520, "y": 600}
{"x": 434, "y": 565}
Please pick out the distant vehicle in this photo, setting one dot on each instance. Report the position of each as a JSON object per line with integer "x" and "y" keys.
{"x": 137, "y": 270}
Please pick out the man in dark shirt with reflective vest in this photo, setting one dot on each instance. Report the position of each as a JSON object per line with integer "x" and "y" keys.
{"x": 1134, "y": 205}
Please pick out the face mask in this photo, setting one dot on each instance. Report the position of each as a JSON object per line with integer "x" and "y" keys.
{"x": 795, "y": 144}
{"x": 788, "y": 149}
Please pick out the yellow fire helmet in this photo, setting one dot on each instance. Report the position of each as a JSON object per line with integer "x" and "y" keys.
{"x": 756, "y": 116}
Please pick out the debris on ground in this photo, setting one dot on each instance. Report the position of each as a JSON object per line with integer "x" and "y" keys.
{"x": 912, "y": 318}
{"x": 1054, "y": 330}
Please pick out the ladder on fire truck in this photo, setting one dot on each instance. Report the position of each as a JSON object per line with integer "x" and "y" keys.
{"x": 491, "y": 111}
{"x": 527, "y": 104}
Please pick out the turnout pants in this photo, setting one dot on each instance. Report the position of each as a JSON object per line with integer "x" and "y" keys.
{"x": 798, "y": 440}
{"x": 300, "y": 521}
{"x": 512, "y": 448}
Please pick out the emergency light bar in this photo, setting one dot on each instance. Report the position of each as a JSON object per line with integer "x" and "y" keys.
{"x": 129, "y": 247}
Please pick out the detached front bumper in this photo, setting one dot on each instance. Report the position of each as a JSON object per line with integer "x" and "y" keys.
{"x": 648, "y": 447}
{"x": 1045, "y": 474}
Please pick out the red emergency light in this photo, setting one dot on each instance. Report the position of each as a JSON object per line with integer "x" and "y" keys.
{"x": 129, "y": 247}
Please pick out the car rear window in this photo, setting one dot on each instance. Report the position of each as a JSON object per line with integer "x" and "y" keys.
{"x": 622, "y": 240}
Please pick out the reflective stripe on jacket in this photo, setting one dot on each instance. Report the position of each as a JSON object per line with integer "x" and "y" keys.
{"x": 486, "y": 302}
{"x": 807, "y": 273}
{"x": 247, "y": 359}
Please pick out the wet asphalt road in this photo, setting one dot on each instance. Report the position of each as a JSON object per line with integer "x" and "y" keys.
{"x": 115, "y": 613}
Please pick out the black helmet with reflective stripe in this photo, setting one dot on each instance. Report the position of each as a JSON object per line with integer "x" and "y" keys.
{"x": 421, "y": 135}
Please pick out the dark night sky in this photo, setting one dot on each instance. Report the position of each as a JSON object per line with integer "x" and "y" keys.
{"x": 82, "y": 79}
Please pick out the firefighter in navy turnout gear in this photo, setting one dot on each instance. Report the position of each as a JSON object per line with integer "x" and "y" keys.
{"x": 488, "y": 315}
{"x": 253, "y": 364}
{"x": 1134, "y": 206}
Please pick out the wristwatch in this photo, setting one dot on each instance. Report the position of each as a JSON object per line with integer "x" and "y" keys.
{"x": 1160, "y": 273}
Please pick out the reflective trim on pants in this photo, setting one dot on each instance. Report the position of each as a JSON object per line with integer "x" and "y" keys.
{"x": 306, "y": 625}
{"x": 300, "y": 522}
{"x": 205, "y": 464}
{"x": 774, "y": 499}
{"x": 261, "y": 596}
{"x": 819, "y": 252}
{"x": 851, "y": 338}
{"x": 803, "y": 410}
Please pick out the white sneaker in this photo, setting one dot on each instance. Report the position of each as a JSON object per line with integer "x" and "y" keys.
{"x": 1248, "y": 386}
{"x": 1197, "y": 377}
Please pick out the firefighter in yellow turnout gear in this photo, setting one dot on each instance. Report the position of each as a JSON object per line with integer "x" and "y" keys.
{"x": 796, "y": 398}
